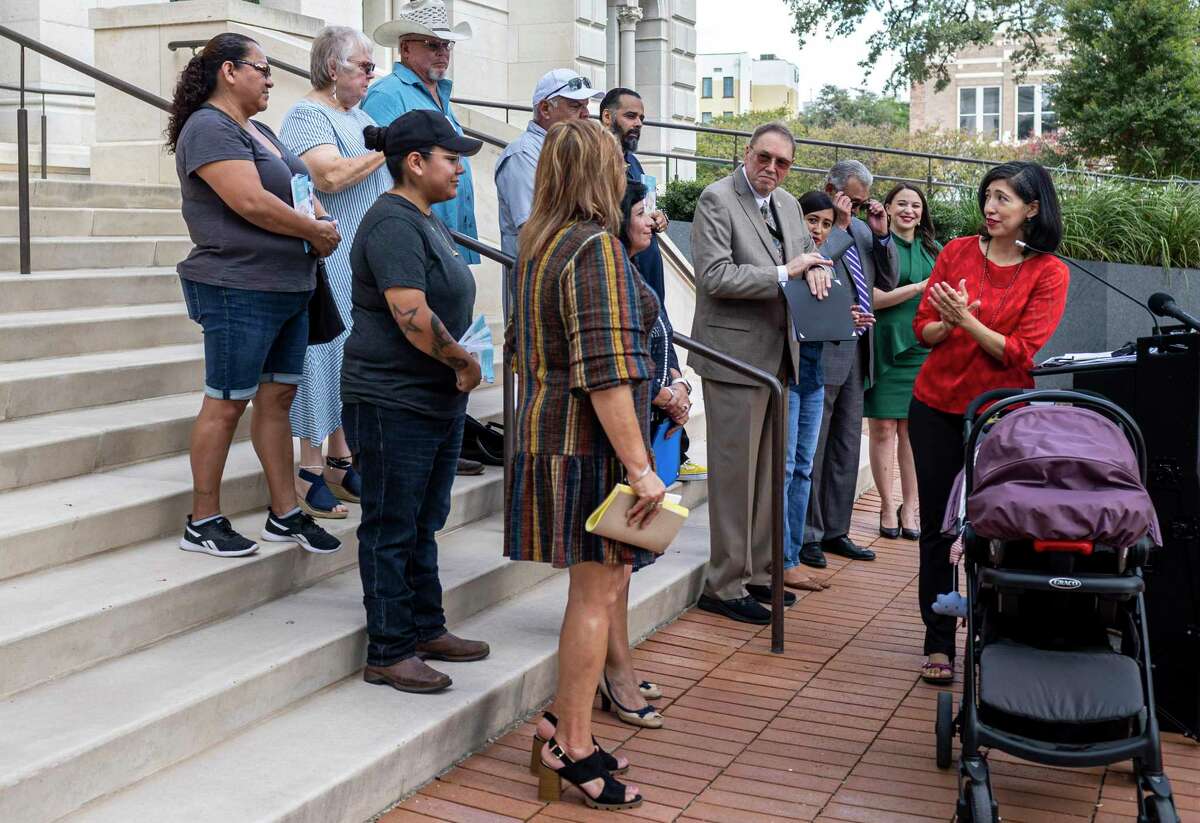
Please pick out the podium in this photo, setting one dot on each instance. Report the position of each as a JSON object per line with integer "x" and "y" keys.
{"x": 1160, "y": 388}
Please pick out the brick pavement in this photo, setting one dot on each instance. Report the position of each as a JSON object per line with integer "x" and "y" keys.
{"x": 838, "y": 728}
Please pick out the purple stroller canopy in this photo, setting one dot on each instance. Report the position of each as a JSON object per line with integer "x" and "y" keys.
{"x": 1058, "y": 473}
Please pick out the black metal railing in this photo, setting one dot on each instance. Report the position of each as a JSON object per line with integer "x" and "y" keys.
{"x": 26, "y": 42}
{"x": 43, "y": 91}
{"x": 778, "y": 407}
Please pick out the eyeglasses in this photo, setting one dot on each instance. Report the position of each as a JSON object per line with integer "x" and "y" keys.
{"x": 435, "y": 45}
{"x": 262, "y": 68}
{"x": 453, "y": 158}
{"x": 367, "y": 67}
{"x": 766, "y": 158}
{"x": 574, "y": 84}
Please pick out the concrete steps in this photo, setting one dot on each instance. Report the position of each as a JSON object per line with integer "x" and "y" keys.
{"x": 87, "y": 734}
{"x": 55, "y": 253}
{"x": 88, "y": 288}
{"x": 65, "y": 221}
{"x": 65, "y": 332}
{"x": 90, "y": 194}
{"x": 344, "y": 753}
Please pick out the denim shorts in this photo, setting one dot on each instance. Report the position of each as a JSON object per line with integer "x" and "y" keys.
{"x": 250, "y": 337}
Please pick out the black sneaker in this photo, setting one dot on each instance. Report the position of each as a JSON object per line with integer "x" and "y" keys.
{"x": 215, "y": 537}
{"x": 300, "y": 528}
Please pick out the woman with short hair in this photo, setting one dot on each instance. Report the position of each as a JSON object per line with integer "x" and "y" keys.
{"x": 993, "y": 300}
{"x": 325, "y": 128}
{"x": 247, "y": 282}
{"x": 580, "y": 331}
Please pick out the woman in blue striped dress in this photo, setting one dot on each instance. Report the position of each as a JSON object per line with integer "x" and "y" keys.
{"x": 326, "y": 130}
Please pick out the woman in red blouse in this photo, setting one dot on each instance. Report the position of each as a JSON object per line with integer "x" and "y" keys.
{"x": 990, "y": 305}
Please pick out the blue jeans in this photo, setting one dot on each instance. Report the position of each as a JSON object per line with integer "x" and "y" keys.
{"x": 250, "y": 337}
{"x": 407, "y": 462}
{"x": 805, "y": 407}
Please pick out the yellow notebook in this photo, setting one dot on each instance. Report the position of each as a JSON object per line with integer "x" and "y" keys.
{"x": 608, "y": 520}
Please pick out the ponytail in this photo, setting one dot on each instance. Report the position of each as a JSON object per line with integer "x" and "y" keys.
{"x": 198, "y": 80}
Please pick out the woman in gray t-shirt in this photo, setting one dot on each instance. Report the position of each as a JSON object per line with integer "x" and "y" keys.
{"x": 247, "y": 282}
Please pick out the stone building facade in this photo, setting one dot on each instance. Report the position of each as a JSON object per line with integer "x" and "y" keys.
{"x": 733, "y": 83}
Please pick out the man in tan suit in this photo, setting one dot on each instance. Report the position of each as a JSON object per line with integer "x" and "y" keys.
{"x": 748, "y": 239}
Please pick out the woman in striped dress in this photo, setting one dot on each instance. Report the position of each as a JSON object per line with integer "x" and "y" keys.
{"x": 580, "y": 330}
{"x": 325, "y": 128}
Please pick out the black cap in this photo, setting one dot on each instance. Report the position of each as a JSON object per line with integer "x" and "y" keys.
{"x": 419, "y": 130}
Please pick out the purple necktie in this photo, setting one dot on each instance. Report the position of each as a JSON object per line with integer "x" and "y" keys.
{"x": 860, "y": 282}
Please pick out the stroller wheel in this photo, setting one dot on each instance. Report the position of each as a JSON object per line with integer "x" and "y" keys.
{"x": 979, "y": 803}
{"x": 944, "y": 729}
{"x": 1161, "y": 810}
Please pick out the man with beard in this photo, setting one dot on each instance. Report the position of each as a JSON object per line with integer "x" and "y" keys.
{"x": 623, "y": 112}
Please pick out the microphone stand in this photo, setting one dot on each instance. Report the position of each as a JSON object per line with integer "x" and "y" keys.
{"x": 1072, "y": 262}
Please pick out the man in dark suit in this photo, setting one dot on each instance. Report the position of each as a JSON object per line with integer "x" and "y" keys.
{"x": 859, "y": 249}
{"x": 748, "y": 239}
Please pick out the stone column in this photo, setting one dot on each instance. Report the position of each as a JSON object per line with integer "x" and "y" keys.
{"x": 627, "y": 19}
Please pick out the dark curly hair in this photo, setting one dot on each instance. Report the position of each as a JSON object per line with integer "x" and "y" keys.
{"x": 199, "y": 78}
{"x": 925, "y": 231}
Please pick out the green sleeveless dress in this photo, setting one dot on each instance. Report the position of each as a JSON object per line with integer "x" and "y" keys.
{"x": 898, "y": 355}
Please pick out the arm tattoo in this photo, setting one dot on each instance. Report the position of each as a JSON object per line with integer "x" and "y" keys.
{"x": 406, "y": 320}
{"x": 442, "y": 342}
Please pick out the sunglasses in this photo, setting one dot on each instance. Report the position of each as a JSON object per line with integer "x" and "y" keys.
{"x": 768, "y": 159}
{"x": 435, "y": 45}
{"x": 262, "y": 68}
{"x": 367, "y": 67}
{"x": 574, "y": 84}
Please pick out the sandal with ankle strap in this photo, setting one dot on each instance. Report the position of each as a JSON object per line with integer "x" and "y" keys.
{"x": 646, "y": 717}
{"x": 577, "y": 773}
{"x": 535, "y": 755}
{"x": 350, "y": 489}
{"x": 319, "y": 501}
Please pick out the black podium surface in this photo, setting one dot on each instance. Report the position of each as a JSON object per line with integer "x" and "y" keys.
{"x": 1160, "y": 388}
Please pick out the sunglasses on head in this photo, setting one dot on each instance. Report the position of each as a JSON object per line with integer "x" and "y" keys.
{"x": 262, "y": 68}
{"x": 574, "y": 84}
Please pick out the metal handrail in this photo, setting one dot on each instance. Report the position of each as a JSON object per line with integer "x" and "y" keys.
{"x": 176, "y": 45}
{"x": 44, "y": 91}
{"x": 777, "y": 406}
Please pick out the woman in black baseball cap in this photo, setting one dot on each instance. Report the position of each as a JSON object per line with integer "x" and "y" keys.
{"x": 405, "y": 381}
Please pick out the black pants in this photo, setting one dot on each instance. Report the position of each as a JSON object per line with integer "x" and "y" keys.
{"x": 937, "y": 445}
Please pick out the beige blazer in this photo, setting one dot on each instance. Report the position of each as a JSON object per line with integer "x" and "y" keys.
{"x": 740, "y": 308}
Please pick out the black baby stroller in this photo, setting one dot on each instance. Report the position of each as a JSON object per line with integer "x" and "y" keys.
{"x": 1057, "y": 527}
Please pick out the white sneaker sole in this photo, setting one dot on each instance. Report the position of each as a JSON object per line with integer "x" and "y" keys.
{"x": 686, "y": 478}
{"x": 189, "y": 546}
{"x": 299, "y": 540}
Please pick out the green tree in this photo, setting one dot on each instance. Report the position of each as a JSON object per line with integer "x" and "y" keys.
{"x": 835, "y": 106}
{"x": 926, "y": 35}
{"x": 1130, "y": 89}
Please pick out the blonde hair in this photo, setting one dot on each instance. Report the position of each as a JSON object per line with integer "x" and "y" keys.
{"x": 580, "y": 177}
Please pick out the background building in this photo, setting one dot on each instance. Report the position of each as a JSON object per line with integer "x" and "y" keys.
{"x": 985, "y": 96}
{"x": 733, "y": 83}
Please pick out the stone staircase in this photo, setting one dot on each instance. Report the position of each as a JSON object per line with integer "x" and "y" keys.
{"x": 139, "y": 682}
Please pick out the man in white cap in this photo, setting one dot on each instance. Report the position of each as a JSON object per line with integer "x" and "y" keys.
{"x": 422, "y": 35}
{"x": 560, "y": 95}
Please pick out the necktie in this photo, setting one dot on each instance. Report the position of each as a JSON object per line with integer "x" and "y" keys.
{"x": 862, "y": 290}
{"x": 772, "y": 229}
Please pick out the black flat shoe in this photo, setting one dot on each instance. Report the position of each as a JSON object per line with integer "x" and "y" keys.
{"x": 763, "y": 595}
{"x": 535, "y": 756}
{"x": 577, "y": 773}
{"x": 743, "y": 610}
{"x": 845, "y": 547}
{"x": 811, "y": 555}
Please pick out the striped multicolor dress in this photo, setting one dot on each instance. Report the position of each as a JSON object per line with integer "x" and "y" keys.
{"x": 581, "y": 322}
{"x": 317, "y": 409}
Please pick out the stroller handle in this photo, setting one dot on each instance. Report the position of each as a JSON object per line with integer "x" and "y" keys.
{"x": 1002, "y": 400}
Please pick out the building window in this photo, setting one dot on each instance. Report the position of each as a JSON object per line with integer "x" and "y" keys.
{"x": 706, "y": 87}
{"x": 727, "y": 114}
{"x": 727, "y": 87}
{"x": 979, "y": 111}
{"x": 706, "y": 117}
{"x": 1035, "y": 111}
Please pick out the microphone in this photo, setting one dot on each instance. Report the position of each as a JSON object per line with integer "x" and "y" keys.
{"x": 1072, "y": 262}
{"x": 1164, "y": 306}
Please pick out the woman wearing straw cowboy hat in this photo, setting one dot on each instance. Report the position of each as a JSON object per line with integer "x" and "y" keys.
{"x": 423, "y": 39}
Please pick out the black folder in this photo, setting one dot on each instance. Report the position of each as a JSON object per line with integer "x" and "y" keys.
{"x": 821, "y": 320}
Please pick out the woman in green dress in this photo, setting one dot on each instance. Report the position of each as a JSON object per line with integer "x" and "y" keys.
{"x": 898, "y": 358}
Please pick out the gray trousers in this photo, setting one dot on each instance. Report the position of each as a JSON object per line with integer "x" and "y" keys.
{"x": 740, "y": 433}
{"x": 835, "y": 468}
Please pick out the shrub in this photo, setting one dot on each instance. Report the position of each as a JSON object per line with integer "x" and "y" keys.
{"x": 678, "y": 202}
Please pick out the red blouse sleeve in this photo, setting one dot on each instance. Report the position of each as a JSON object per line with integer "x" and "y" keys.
{"x": 926, "y": 313}
{"x": 1040, "y": 316}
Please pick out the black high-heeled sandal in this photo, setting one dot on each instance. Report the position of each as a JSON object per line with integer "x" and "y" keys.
{"x": 535, "y": 754}
{"x": 578, "y": 772}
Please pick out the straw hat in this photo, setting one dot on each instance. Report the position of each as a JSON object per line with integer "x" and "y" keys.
{"x": 427, "y": 18}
